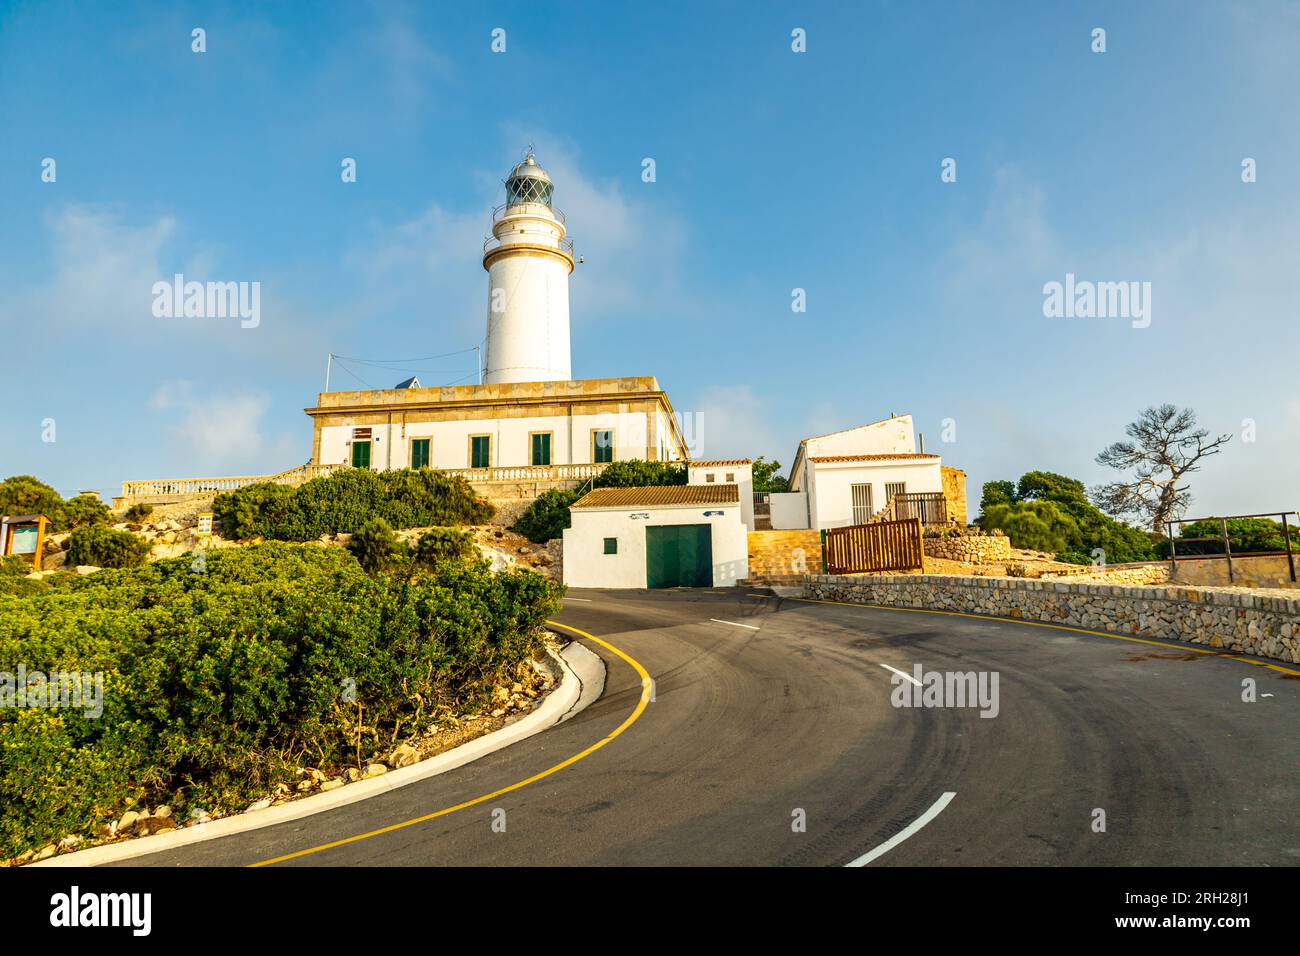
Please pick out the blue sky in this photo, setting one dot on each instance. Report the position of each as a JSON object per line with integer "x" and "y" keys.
{"x": 775, "y": 170}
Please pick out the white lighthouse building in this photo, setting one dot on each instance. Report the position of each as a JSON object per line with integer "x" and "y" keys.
{"x": 529, "y": 425}
{"x": 528, "y": 262}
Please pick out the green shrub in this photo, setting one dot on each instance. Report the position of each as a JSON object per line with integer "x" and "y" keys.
{"x": 218, "y": 685}
{"x": 547, "y": 516}
{"x": 439, "y": 546}
{"x": 345, "y": 501}
{"x": 106, "y": 548}
{"x": 375, "y": 545}
{"x": 25, "y": 495}
{"x": 138, "y": 512}
{"x": 12, "y": 566}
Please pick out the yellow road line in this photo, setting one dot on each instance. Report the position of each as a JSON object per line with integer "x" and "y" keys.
{"x": 1063, "y": 627}
{"x": 631, "y": 719}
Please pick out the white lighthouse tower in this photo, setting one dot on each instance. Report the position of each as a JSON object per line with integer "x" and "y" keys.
{"x": 528, "y": 261}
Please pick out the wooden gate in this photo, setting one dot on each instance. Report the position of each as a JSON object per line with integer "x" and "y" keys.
{"x": 879, "y": 546}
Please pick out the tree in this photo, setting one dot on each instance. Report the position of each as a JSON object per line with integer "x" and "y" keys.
{"x": 1164, "y": 447}
{"x": 766, "y": 477}
{"x": 998, "y": 493}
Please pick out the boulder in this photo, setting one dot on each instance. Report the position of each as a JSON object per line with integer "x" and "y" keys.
{"x": 403, "y": 756}
{"x": 331, "y": 784}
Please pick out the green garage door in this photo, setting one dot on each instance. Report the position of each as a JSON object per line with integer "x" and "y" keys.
{"x": 679, "y": 555}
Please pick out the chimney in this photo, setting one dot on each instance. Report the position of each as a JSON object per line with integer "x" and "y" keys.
{"x": 921, "y": 436}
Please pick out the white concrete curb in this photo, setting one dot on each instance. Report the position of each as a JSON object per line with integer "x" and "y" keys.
{"x": 581, "y": 673}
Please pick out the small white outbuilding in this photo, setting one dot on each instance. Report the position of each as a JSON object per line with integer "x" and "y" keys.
{"x": 657, "y": 537}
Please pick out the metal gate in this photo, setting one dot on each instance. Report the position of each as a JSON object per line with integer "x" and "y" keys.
{"x": 679, "y": 556}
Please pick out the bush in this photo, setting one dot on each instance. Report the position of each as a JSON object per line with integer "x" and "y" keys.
{"x": 548, "y": 516}
{"x": 25, "y": 495}
{"x": 218, "y": 686}
{"x": 1011, "y": 507}
{"x": 375, "y": 545}
{"x": 439, "y": 546}
{"x": 12, "y": 566}
{"x": 345, "y": 501}
{"x": 106, "y": 548}
{"x": 1245, "y": 536}
{"x": 137, "y": 512}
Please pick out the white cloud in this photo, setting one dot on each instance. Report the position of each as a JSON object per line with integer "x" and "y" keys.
{"x": 735, "y": 422}
{"x": 221, "y": 431}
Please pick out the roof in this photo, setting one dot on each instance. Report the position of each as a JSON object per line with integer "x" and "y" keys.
{"x": 853, "y": 428}
{"x": 411, "y": 382}
{"x": 718, "y": 462}
{"x": 899, "y": 454}
{"x": 719, "y": 494}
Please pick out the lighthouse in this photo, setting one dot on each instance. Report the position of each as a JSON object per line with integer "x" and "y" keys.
{"x": 528, "y": 261}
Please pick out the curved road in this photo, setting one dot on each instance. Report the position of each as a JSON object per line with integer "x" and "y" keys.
{"x": 792, "y": 713}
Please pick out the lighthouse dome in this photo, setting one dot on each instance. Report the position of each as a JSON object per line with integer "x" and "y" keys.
{"x": 528, "y": 182}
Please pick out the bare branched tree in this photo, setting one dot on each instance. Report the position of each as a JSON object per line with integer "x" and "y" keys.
{"x": 1165, "y": 445}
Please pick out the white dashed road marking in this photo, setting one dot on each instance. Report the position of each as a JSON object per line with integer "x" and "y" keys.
{"x": 911, "y": 829}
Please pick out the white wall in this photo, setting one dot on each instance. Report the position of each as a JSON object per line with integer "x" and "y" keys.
{"x": 891, "y": 437}
{"x": 789, "y": 510}
{"x": 833, "y": 499}
{"x": 511, "y": 446}
{"x": 744, "y": 482}
{"x": 587, "y": 566}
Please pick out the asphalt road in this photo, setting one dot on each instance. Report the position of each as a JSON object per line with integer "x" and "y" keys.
{"x": 750, "y": 725}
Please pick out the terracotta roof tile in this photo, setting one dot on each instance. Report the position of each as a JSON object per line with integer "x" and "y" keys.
{"x": 719, "y": 462}
{"x": 912, "y": 454}
{"x": 719, "y": 494}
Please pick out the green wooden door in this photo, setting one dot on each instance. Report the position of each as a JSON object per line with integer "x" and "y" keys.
{"x": 361, "y": 454}
{"x": 679, "y": 556}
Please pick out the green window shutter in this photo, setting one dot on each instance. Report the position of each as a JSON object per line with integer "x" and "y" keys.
{"x": 541, "y": 451}
{"x": 604, "y": 450}
{"x": 420, "y": 453}
{"x": 480, "y": 452}
{"x": 611, "y": 545}
{"x": 361, "y": 454}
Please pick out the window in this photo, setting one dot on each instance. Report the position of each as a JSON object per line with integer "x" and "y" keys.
{"x": 862, "y": 510}
{"x": 731, "y": 477}
{"x": 602, "y": 446}
{"x": 480, "y": 451}
{"x": 894, "y": 488}
{"x": 541, "y": 450}
{"x": 611, "y": 545}
{"x": 709, "y": 477}
{"x": 419, "y": 453}
{"x": 361, "y": 454}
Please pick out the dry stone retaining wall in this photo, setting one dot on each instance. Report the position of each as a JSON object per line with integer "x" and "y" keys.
{"x": 973, "y": 548}
{"x": 1247, "y": 622}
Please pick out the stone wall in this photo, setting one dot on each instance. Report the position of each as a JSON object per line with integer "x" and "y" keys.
{"x": 954, "y": 493}
{"x": 1262, "y": 571}
{"x": 784, "y": 556}
{"x": 1248, "y": 622}
{"x": 974, "y": 548}
{"x": 1115, "y": 574}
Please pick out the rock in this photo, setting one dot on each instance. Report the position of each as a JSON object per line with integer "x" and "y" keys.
{"x": 403, "y": 756}
{"x": 45, "y": 852}
{"x": 353, "y": 774}
{"x": 259, "y": 805}
{"x": 163, "y": 811}
{"x": 157, "y": 824}
{"x": 331, "y": 784}
{"x": 25, "y": 857}
{"x": 68, "y": 842}
{"x": 499, "y": 712}
{"x": 305, "y": 785}
{"x": 128, "y": 821}
{"x": 106, "y": 829}
{"x": 516, "y": 688}
{"x": 168, "y": 537}
{"x": 374, "y": 770}
{"x": 84, "y": 569}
